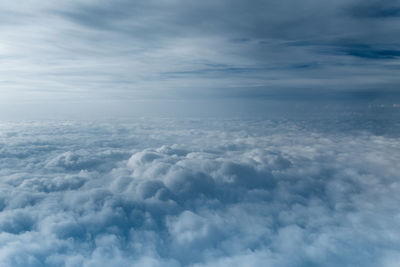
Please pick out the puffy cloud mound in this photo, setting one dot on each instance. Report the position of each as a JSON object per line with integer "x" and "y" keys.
{"x": 196, "y": 193}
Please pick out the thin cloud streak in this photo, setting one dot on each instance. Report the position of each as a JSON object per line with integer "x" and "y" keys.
{"x": 101, "y": 50}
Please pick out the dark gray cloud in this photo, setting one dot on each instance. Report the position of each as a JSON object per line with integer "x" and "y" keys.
{"x": 197, "y": 193}
{"x": 365, "y": 51}
{"x": 375, "y": 9}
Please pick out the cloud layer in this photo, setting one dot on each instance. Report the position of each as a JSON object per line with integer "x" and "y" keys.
{"x": 191, "y": 193}
{"x": 90, "y": 52}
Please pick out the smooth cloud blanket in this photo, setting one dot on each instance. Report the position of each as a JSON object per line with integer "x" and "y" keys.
{"x": 197, "y": 193}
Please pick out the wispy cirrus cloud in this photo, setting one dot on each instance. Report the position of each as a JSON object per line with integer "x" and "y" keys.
{"x": 136, "y": 50}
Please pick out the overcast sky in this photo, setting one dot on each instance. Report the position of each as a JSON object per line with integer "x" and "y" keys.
{"x": 117, "y": 53}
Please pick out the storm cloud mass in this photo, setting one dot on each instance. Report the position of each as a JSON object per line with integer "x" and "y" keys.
{"x": 197, "y": 193}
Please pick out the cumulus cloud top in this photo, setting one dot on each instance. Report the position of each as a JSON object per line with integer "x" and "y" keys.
{"x": 189, "y": 193}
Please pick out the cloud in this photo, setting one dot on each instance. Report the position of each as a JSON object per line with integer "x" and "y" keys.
{"x": 123, "y": 52}
{"x": 375, "y": 9}
{"x": 275, "y": 193}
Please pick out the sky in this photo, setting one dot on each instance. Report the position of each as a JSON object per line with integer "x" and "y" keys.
{"x": 176, "y": 133}
{"x": 172, "y": 57}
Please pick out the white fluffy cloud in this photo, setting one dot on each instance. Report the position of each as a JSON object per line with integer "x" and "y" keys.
{"x": 190, "y": 193}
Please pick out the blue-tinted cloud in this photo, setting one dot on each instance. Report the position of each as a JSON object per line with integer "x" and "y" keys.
{"x": 85, "y": 53}
{"x": 197, "y": 193}
{"x": 375, "y": 9}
